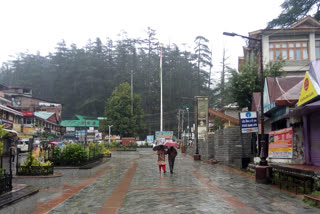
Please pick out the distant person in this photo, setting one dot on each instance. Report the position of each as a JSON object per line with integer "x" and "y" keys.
{"x": 12, "y": 151}
{"x": 162, "y": 159}
{"x": 172, "y": 153}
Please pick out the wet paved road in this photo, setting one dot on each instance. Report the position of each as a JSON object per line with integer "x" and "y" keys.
{"x": 131, "y": 183}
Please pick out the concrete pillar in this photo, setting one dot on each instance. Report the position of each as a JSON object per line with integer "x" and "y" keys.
{"x": 312, "y": 46}
{"x": 265, "y": 49}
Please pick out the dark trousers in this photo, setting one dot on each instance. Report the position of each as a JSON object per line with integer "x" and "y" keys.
{"x": 171, "y": 164}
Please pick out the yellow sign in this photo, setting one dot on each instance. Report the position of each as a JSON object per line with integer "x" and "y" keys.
{"x": 17, "y": 127}
{"x": 28, "y": 130}
{"x": 308, "y": 91}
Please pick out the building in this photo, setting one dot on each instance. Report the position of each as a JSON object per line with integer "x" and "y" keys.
{"x": 298, "y": 45}
{"x": 82, "y": 129}
{"x": 21, "y": 99}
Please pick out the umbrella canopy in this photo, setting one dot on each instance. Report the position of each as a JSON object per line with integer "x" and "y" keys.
{"x": 171, "y": 143}
{"x": 54, "y": 143}
{"x": 157, "y": 147}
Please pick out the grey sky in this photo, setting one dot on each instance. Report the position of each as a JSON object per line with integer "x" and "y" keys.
{"x": 40, "y": 24}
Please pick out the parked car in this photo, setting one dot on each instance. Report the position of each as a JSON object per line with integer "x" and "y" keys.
{"x": 23, "y": 146}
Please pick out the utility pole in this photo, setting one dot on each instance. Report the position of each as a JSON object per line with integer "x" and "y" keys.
{"x": 131, "y": 92}
{"x": 182, "y": 120}
{"x": 161, "y": 107}
{"x": 178, "y": 122}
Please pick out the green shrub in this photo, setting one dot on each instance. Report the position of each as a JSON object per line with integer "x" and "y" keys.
{"x": 74, "y": 154}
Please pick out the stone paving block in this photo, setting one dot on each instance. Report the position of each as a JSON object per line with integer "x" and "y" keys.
{"x": 195, "y": 187}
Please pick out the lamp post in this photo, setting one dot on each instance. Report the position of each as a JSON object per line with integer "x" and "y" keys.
{"x": 188, "y": 124}
{"x": 109, "y": 132}
{"x": 263, "y": 154}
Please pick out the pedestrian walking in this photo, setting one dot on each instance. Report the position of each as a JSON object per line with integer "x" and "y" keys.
{"x": 162, "y": 158}
{"x": 12, "y": 151}
{"x": 172, "y": 153}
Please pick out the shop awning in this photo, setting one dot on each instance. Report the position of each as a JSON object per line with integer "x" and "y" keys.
{"x": 307, "y": 109}
{"x": 11, "y": 131}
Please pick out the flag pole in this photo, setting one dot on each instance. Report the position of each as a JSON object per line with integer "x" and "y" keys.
{"x": 161, "y": 110}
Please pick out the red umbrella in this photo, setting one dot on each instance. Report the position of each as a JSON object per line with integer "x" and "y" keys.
{"x": 54, "y": 143}
{"x": 171, "y": 143}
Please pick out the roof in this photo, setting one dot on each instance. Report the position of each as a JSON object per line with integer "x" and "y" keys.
{"x": 80, "y": 123}
{"x": 305, "y": 25}
{"x": 277, "y": 86}
{"x": 306, "y": 22}
{"x": 8, "y": 109}
{"x": 43, "y": 114}
{"x": 291, "y": 97}
{"x": 223, "y": 116}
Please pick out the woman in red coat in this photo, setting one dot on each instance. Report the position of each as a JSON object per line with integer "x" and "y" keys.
{"x": 162, "y": 159}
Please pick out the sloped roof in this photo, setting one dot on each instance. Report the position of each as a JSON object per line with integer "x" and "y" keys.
{"x": 223, "y": 116}
{"x": 277, "y": 86}
{"x": 43, "y": 114}
{"x": 306, "y": 23}
{"x": 291, "y": 97}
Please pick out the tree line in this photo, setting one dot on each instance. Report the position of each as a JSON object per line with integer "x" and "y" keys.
{"x": 83, "y": 78}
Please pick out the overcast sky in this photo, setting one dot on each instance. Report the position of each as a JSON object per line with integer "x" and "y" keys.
{"x": 38, "y": 25}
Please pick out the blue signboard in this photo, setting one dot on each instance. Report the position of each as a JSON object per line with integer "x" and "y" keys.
{"x": 249, "y": 122}
{"x": 150, "y": 139}
{"x": 164, "y": 134}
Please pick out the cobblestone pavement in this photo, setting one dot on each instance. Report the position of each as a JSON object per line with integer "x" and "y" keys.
{"x": 131, "y": 183}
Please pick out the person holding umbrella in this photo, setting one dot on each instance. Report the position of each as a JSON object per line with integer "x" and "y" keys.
{"x": 162, "y": 158}
{"x": 172, "y": 153}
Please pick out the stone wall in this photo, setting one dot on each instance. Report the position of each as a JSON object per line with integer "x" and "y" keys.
{"x": 229, "y": 149}
{"x": 224, "y": 146}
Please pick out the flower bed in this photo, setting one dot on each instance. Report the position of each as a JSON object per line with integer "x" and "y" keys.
{"x": 33, "y": 167}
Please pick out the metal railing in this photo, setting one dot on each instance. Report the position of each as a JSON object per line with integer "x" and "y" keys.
{"x": 5, "y": 182}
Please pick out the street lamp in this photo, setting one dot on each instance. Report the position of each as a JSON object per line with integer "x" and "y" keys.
{"x": 263, "y": 154}
{"x": 109, "y": 132}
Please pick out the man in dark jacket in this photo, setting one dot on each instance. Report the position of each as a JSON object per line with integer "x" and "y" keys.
{"x": 172, "y": 153}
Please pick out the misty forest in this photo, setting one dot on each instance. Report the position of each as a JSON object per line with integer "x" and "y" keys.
{"x": 82, "y": 79}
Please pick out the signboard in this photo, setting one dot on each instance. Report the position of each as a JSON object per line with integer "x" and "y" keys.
{"x": 280, "y": 143}
{"x": 164, "y": 134}
{"x": 202, "y": 105}
{"x": 150, "y": 139}
{"x": 98, "y": 136}
{"x": 27, "y": 113}
{"x": 70, "y": 129}
{"x": 309, "y": 90}
{"x": 249, "y": 122}
{"x": 28, "y": 130}
{"x": 17, "y": 127}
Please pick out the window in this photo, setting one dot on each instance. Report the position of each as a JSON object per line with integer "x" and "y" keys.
{"x": 291, "y": 50}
